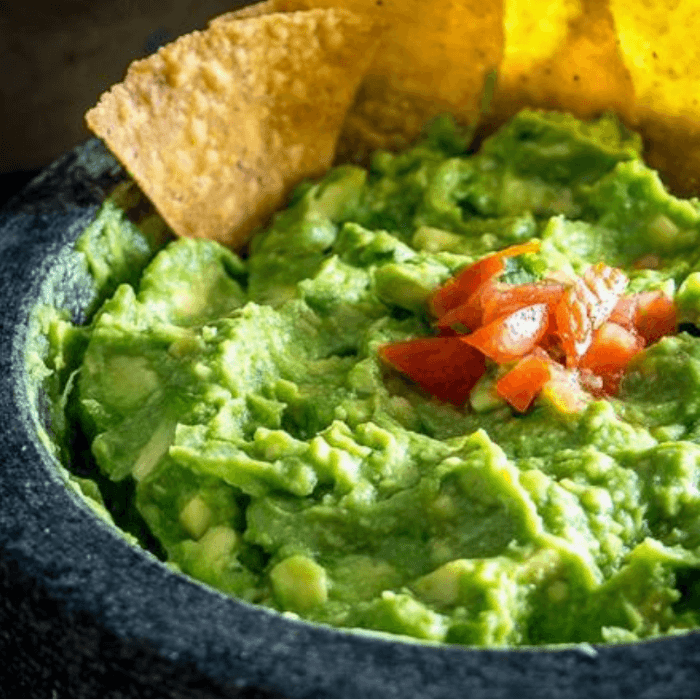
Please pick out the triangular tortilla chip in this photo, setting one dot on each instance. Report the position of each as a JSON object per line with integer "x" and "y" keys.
{"x": 433, "y": 58}
{"x": 659, "y": 44}
{"x": 658, "y": 41}
{"x": 219, "y": 125}
{"x": 562, "y": 54}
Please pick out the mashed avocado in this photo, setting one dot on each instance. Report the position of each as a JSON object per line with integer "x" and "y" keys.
{"x": 277, "y": 459}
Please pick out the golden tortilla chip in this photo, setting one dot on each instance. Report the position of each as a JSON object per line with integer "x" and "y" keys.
{"x": 659, "y": 44}
{"x": 219, "y": 125}
{"x": 562, "y": 54}
{"x": 639, "y": 59}
{"x": 433, "y": 58}
{"x": 658, "y": 41}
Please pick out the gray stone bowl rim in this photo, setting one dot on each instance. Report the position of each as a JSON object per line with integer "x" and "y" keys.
{"x": 86, "y": 567}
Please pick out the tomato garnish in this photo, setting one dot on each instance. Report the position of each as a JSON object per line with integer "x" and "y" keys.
{"x": 591, "y": 382}
{"x": 655, "y": 316}
{"x": 470, "y": 315}
{"x": 611, "y": 350}
{"x": 585, "y": 306}
{"x": 569, "y": 338}
{"x": 510, "y": 337}
{"x": 624, "y": 311}
{"x": 504, "y": 299}
{"x": 520, "y": 249}
{"x": 607, "y": 285}
{"x": 651, "y": 314}
{"x": 458, "y": 290}
{"x": 520, "y": 385}
{"x": 444, "y": 366}
{"x": 573, "y": 324}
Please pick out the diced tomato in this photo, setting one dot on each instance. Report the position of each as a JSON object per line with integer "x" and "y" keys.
{"x": 520, "y": 385}
{"x": 520, "y": 249}
{"x": 607, "y": 285}
{"x": 611, "y": 350}
{"x": 655, "y": 316}
{"x": 444, "y": 366}
{"x": 457, "y": 290}
{"x": 463, "y": 319}
{"x": 573, "y": 324}
{"x": 569, "y": 338}
{"x": 560, "y": 277}
{"x": 585, "y": 306}
{"x": 460, "y": 288}
{"x": 651, "y": 314}
{"x": 504, "y": 299}
{"x": 612, "y": 346}
{"x": 550, "y": 341}
{"x": 624, "y": 311}
{"x": 510, "y": 337}
{"x": 448, "y": 333}
{"x": 468, "y": 316}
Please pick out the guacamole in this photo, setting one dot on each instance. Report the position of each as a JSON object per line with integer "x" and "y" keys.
{"x": 275, "y": 457}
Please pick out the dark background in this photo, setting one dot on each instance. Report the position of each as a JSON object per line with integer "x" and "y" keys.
{"x": 56, "y": 58}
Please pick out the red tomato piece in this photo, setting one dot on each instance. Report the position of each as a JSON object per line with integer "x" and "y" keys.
{"x": 611, "y": 350}
{"x": 573, "y": 324}
{"x": 651, "y": 314}
{"x": 510, "y": 337}
{"x": 444, "y": 366}
{"x": 457, "y": 290}
{"x": 520, "y": 385}
{"x": 655, "y": 316}
{"x": 624, "y": 311}
{"x": 463, "y": 319}
{"x": 550, "y": 341}
{"x": 607, "y": 285}
{"x": 587, "y": 305}
{"x": 504, "y": 299}
{"x": 468, "y": 316}
{"x": 447, "y": 333}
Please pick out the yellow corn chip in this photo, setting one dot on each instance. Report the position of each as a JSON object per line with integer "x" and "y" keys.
{"x": 220, "y": 124}
{"x": 562, "y": 54}
{"x": 659, "y": 45}
{"x": 217, "y": 126}
{"x": 433, "y": 58}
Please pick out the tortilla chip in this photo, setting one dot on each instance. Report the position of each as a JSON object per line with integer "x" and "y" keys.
{"x": 658, "y": 42}
{"x": 300, "y": 78}
{"x": 562, "y": 54}
{"x": 219, "y": 125}
{"x": 433, "y": 58}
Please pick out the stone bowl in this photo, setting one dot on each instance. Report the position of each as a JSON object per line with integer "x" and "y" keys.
{"x": 83, "y": 613}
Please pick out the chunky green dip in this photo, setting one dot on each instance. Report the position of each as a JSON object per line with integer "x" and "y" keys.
{"x": 275, "y": 458}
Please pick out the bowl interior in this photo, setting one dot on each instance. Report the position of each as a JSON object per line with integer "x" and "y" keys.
{"x": 127, "y": 608}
